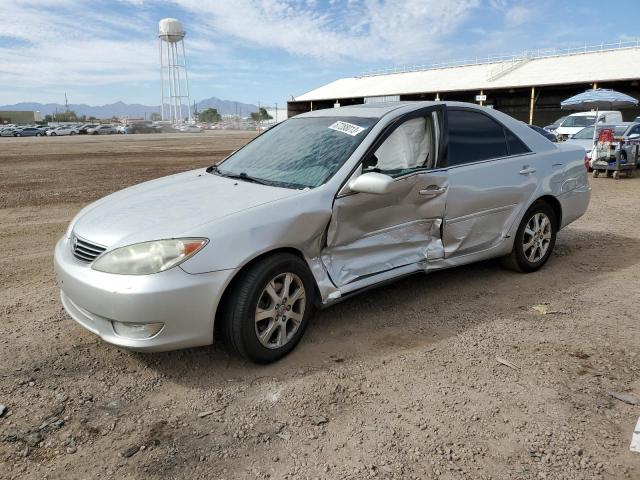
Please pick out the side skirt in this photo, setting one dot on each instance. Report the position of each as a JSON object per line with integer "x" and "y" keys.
{"x": 390, "y": 276}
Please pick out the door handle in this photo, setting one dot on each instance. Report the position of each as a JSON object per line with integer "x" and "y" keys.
{"x": 556, "y": 165}
{"x": 527, "y": 170}
{"x": 432, "y": 191}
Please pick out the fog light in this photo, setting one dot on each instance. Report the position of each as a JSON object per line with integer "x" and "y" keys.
{"x": 136, "y": 330}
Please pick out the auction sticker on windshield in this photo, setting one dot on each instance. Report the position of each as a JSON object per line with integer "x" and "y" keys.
{"x": 346, "y": 127}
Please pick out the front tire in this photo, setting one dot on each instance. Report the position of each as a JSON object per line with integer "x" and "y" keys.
{"x": 535, "y": 239}
{"x": 267, "y": 312}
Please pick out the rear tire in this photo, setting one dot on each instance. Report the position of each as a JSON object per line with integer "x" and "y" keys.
{"x": 268, "y": 309}
{"x": 535, "y": 239}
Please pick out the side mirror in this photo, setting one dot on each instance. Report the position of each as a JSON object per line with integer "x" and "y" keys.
{"x": 372, "y": 182}
{"x": 634, "y": 136}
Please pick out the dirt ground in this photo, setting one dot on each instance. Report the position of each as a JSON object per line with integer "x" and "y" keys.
{"x": 400, "y": 382}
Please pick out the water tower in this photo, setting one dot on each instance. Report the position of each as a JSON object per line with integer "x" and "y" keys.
{"x": 174, "y": 81}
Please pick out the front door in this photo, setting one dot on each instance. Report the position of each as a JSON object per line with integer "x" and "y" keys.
{"x": 374, "y": 233}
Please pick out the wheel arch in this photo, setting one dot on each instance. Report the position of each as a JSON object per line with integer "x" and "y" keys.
{"x": 554, "y": 203}
{"x": 231, "y": 284}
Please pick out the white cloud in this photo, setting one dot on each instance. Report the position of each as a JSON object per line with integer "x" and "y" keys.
{"x": 370, "y": 30}
{"x": 517, "y": 15}
{"x": 50, "y": 45}
{"x": 68, "y": 43}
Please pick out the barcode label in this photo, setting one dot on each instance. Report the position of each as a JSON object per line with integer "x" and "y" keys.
{"x": 345, "y": 127}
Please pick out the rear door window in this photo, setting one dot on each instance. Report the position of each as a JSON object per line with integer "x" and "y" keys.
{"x": 473, "y": 137}
{"x": 514, "y": 144}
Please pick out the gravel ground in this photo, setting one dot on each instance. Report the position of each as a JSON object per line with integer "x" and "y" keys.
{"x": 474, "y": 372}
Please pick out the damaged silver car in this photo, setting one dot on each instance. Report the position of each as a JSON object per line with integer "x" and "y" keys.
{"x": 320, "y": 207}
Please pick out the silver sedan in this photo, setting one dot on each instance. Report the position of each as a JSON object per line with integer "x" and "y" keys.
{"x": 102, "y": 130}
{"x": 318, "y": 208}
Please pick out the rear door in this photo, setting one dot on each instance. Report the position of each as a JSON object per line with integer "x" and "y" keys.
{"x": 370, "y": 234}
{"x": 492, "y": 176}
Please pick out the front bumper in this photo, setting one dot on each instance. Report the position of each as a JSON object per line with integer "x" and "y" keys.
{"x": 183, "y": 302}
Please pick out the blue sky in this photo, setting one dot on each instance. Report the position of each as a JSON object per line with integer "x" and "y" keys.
{"x": 268, "y": 50}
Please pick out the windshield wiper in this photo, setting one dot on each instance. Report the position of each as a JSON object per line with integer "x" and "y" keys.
{"x": 239, "y": 176}
{"x": 244, "y": 176}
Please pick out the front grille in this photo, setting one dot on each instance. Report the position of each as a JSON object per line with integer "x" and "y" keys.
{"x": 85, "y": 251}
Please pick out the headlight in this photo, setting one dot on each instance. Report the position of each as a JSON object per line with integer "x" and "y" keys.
{"x": 149, "y": 257}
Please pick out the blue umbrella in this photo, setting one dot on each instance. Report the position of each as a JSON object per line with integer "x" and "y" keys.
{"x": 600, "y": 98}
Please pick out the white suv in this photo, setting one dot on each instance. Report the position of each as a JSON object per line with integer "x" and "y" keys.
{"x": 577, "y": 121}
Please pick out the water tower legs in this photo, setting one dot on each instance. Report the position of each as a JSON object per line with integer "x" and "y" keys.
{"x": 174, "y": 82}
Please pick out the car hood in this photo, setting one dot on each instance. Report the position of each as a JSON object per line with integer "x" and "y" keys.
{"x": 568, "y": 130}
{"x": 169, "y": 207}
{"x": 584, "y": 143}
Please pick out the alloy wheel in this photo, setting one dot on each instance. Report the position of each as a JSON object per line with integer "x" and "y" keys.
{"x": 537, "y": 237}
{"x": 280, "y": 310}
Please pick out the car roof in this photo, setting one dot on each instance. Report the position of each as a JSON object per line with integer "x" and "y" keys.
{"x": 380, "y": 109}
{"x": 532, "y": 139}
{"x": 592, "y": 113}
{"x": 367, "y": 110}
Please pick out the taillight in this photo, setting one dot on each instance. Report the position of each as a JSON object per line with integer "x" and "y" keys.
{"x": 586, "y": 162}
{"x": 605, "y": 135}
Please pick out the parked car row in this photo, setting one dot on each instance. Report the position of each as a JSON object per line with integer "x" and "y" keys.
{"x": 94, "y": 129}
{"x": 567, "y": 126}
{"x": 625, "y": 136}
{"x": 27, "y": 131}
{"x": 58, "y": 131}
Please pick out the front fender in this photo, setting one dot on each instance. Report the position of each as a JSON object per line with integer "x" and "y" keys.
{"x": 297, "y": 223}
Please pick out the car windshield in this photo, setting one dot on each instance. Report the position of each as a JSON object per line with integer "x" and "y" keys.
{"x": 584, "y": 134}
{"x": 298, "y": 153}
{"x": 579, "y": 121}
{"x": 619, "y": 130}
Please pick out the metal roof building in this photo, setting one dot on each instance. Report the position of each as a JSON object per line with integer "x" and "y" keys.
{"x": 528, "y": 86}
{"x": 19, "y": 117}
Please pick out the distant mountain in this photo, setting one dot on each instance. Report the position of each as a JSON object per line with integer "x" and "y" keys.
{"x": 227, "y": 107}
{"x": 134, "y": 110}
